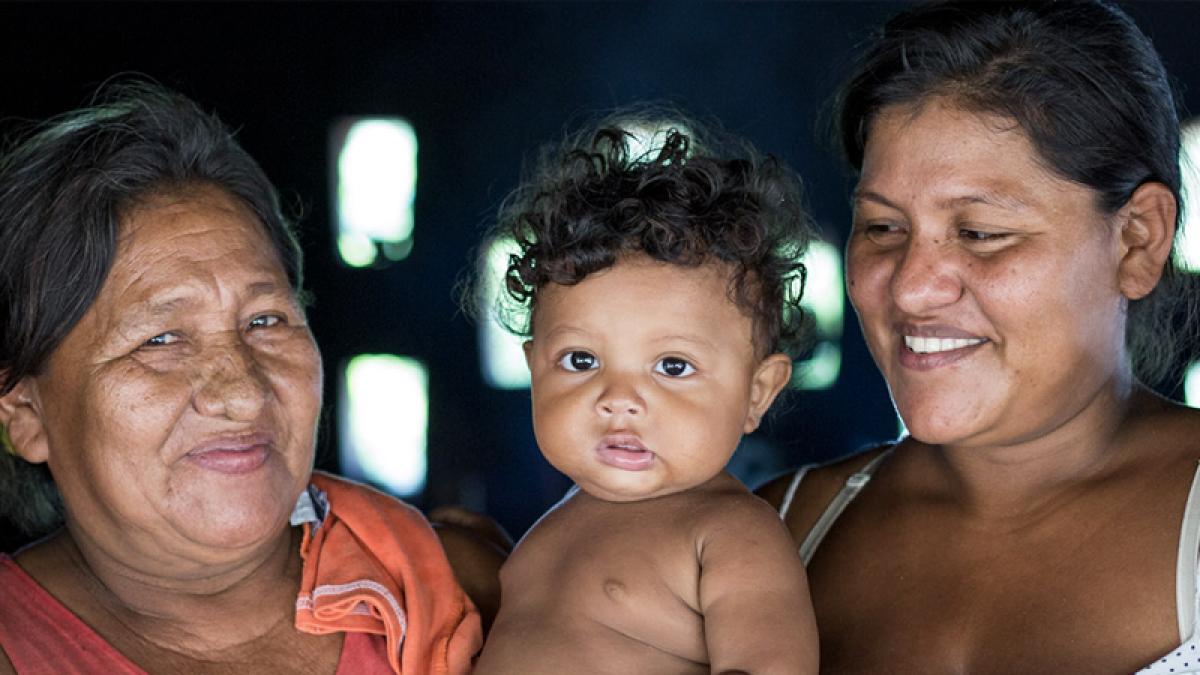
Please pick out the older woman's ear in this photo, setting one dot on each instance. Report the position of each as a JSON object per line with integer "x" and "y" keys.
{"x": 1147, "y": 224}
{"x": 21, "y": 418}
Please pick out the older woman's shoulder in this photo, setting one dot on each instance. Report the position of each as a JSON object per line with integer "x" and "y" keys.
{"x": 6, "y": 666}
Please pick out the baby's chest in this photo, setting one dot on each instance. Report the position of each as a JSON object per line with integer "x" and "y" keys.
{"x": 641, "y": 588}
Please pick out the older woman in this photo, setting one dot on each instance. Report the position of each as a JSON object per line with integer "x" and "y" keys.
{"x": 1010, "y": 263}
{"x": 160, "y": 384}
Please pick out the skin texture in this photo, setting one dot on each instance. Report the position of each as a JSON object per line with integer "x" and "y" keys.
{"x": 672, "y": 566}
{"x": 178, "y": 419}
{"x": 1039, "y": 499}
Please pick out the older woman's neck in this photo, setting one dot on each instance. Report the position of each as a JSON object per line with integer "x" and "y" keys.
{"x": 186, "y": 608}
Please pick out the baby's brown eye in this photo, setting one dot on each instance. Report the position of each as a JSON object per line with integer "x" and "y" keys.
{"x": 673, "y": 366}
{"x": 578, "y": 361}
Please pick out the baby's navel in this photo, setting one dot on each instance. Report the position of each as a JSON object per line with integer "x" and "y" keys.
{"x": 614, "y": 589}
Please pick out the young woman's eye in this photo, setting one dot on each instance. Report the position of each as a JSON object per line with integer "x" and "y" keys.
{"x": 266, "y": 321}
{"x": 673, "y": 366}
{"x": 162, "y": 340}
{"x": 881, "y": 232}
{"x": 578, "y": 361}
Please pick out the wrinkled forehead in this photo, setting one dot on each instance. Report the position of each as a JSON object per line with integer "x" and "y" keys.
{"x": 180, "y": 242}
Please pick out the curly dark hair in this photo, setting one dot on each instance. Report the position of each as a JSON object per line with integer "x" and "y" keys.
{"x": 594, "y": 198}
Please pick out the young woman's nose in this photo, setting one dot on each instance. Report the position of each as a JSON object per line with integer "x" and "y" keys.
{"x": 926, "y": 277}
{"x": 231, "y": 384}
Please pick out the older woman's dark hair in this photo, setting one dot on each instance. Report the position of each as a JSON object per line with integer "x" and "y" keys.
{"x": 1084, "y": 84}
{"x": 64, "y": 189}
{"x": 687, "y": 197}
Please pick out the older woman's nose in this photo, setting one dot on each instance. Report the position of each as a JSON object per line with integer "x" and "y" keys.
{"x": 231, "y": 384}
{"x": 927, "y": 277}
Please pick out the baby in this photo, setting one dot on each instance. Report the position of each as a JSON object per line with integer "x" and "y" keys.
{"x": 658, "y": 292}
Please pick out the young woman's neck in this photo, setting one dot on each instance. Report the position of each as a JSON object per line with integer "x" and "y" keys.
{"x": 1020, "y": 477}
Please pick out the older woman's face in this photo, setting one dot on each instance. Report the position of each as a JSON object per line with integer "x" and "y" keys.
{"x": 180, "y": 411}
{"x": 987, "y": 287}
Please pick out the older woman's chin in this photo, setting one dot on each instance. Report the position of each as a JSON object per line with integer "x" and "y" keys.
{"x": 241, "y": 515}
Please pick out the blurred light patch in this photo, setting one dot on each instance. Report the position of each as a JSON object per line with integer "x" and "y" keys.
{"x": 384, "y": 411}
{"x": 646, "y": 140}
{"x": 376, "y": 183}
{"x": 1191, "y": 385}
{"x": 1187, "y": 243}
{"x": 500, "y": 352}
{"x": 825, "y": 298}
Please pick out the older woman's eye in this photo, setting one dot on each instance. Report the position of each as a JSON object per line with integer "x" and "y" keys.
{"x": 673, "y": 366}
{"x": 267, "y": 321}
{"x": 980, "y": 235}
{"x": 162, "y": 340}
{"x": 578, "y": 361}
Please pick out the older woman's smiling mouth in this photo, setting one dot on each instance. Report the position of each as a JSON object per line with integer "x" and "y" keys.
{"x": 235, "y": 454}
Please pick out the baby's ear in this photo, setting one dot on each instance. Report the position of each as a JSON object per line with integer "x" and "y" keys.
{"x": 771, "y": 376}
{"x": 21, "y": 417}
{"x": 527, "y": 347}
{"x": 1147, "y": 223}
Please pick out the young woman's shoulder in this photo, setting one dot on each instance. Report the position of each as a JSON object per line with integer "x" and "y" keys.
{"x": 801, "y": 503}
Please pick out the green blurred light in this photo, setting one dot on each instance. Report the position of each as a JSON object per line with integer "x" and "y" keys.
{"x": 1187, "y": 240}
{"x": 1191, "y": 385}
{"x": 356, "y": 249}
{"x": 501, "y": 355}
{"x": 821, "y": 370}
{"x": 385, "y": 417}
{"x": 824, "y": 296}
{"x": 376, "y": 186}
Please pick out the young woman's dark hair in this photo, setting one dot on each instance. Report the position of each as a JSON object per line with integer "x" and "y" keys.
{"x": 1084, "y": 84}
{"x": 64, "y": 190}
{"x": 636, "y": 184}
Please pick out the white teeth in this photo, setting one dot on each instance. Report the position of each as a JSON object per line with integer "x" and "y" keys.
{"x": 928, "y": 345}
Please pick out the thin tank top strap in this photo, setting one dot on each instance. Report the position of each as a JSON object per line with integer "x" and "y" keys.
{"x": 1186, "y": 607}
{"x": 791, "y": 491}
{"x": 854, "y": 484}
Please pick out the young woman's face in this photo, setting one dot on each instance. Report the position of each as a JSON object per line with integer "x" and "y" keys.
{"x": 644, "y": 378}
{"x": 986, "y": 286}
{"x": 180, "y": 411}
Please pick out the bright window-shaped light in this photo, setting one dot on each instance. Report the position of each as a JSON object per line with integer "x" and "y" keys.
{"x": 501, "y": 355}
{"x": 645, "y": 141}
{"x": 1187, "y": 243}
{"x": 376, "y": 185}
{"x": 824, "y": 297}
{"x": 1191, "y": 385}
{"x": 384, "y": 420}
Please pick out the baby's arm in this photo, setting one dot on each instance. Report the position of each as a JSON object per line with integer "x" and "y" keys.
{"x": 758, "y": 616}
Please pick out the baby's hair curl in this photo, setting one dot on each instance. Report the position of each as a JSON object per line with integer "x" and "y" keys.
{"x": 691, "y": 198}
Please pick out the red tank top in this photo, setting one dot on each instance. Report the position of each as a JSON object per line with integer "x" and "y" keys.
{"x": 41, "y": 636}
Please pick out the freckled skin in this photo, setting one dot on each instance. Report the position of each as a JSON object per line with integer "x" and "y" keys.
{"x": 674, "y": 568}
{"x": 1031, "y": 522}
{"x": 122, "y": 415}
{"x": 1043, "y": 292}
{"x": 195, "y": 339}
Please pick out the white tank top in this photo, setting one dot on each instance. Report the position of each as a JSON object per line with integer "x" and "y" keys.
{"x": 1182, "y": 659}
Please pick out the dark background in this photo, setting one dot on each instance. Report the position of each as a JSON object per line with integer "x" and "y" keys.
{"x": 483, "y": 84}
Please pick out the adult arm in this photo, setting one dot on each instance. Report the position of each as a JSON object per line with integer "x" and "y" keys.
{"x": 758, "y": 616}
{"x": 476, "y": 547}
